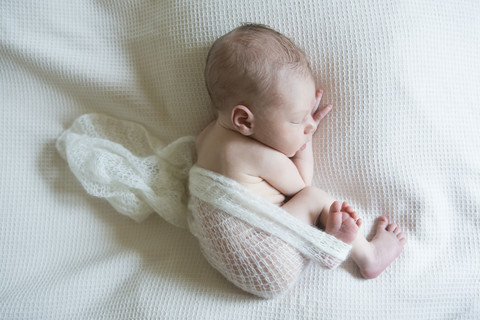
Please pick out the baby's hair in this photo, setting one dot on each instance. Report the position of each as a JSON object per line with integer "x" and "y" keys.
{"x": 243, "y": 64}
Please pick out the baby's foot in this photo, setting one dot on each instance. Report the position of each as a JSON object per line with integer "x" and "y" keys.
{"x": 375, "y": 256}
{"x": 342, "y": 222}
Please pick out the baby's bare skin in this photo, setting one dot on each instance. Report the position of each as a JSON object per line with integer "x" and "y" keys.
{"x": 342, "y": 222}
{"x": 373, "y": 257}
{"x": 263, "y": 140}
{"x": 311, "y": 205}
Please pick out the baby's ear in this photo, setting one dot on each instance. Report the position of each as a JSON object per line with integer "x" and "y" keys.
{"x": 243, "y": 120}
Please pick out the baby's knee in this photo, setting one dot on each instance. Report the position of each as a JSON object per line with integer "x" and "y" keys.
{"x": 273, "y": 279}
{"x": 266, "y": 268}
{"x": 310, "y": 192}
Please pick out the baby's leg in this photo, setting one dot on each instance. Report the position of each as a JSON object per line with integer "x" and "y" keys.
{"x": 372, "y": 258}
{"x": 305, "y": 205}
{"x": 314, "y": 206}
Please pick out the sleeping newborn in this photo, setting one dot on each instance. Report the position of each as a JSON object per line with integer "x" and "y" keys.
{"x": 263, "y": 89}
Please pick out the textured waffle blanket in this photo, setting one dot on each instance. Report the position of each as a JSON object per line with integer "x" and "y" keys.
{"x": 255, "y": 244}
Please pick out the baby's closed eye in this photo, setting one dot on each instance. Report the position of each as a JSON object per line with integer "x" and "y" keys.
{"x": 300, "y": 121}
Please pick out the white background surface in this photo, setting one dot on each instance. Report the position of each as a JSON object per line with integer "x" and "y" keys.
{"x": 403, "y": 140}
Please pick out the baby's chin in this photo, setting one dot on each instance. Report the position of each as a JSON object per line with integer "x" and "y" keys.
{"x": 290, "y": 155}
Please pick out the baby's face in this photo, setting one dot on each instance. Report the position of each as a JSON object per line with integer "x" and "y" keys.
{"x": 288, "y": 125}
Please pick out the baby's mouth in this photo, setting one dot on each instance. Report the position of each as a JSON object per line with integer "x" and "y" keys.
{"x": 303, "y": 147}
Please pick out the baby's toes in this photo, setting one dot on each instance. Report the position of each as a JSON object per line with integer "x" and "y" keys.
{"x": 354, "y": 215}
{"x": 392, "y": 227}
{"x": 382, "y": 223}
{"x": 401, "y": 236}
{"x": 358, "y": 222}
{"x": 397, "y": 230}
{"x": 335, "y": 207}
{"x": 349, "y": 230}
{"x": 334, "y": 222}
{"x": 348, "y": 209}
{"x": 348, "y": 222}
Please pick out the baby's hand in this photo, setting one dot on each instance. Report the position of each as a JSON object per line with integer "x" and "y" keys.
{"x": 319, "y": 114}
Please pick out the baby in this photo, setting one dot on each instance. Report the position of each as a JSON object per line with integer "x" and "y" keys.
{"x": 264, "y": 92}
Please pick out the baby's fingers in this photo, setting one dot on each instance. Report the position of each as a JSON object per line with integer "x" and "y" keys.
{"x": 318, "y": 98}
{"x": 320, "y": 114}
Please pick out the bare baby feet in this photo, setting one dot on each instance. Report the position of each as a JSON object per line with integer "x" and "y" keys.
{"x": 375, "y": 256}
{"x": 342, "y": 222}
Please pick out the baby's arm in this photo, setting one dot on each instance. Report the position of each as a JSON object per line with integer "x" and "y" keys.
{"x": 278, "y": 170}
{"x": 290, "y": 175}
{"x": 303, "y": 159}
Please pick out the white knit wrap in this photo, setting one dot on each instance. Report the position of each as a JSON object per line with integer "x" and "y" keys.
{"x": 255, "y": 244}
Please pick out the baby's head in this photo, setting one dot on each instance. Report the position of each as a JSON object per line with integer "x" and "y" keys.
{"x": 244, "y": 66}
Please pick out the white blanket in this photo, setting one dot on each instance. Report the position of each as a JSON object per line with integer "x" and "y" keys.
{"x": 402, "y": 140}
{"x": 256, "y": 245}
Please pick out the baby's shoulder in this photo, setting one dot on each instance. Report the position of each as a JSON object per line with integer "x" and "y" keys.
{"x": 225, "y": 151}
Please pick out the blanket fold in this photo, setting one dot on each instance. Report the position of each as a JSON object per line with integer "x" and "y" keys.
{"x": 229, "y": 196}
{"x": 134, "y": 171}
{"x": 255, "y": 244}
